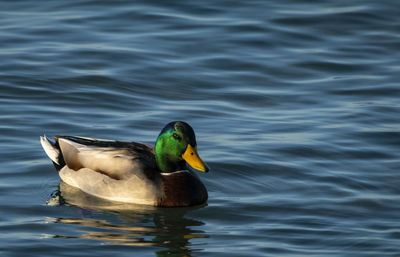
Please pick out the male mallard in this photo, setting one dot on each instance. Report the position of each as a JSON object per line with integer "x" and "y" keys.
{"x": 133, "y": 172}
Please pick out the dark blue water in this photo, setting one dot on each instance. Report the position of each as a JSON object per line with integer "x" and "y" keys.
{"x": 295, "y": 105}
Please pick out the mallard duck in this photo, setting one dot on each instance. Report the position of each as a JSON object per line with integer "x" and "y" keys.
{"x": 133, "y": 172}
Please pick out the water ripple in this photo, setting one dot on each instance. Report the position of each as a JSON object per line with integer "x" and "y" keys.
{"x": 294, "y": 104}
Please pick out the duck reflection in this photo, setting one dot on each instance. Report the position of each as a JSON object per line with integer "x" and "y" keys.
{"x": 137, "y": 225}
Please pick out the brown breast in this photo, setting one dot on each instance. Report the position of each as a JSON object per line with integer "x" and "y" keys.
{"x": 182, "y": 189}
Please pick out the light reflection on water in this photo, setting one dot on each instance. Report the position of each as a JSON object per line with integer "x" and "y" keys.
{"x": 138, "y": 225}
{"x": 295, "y": 105}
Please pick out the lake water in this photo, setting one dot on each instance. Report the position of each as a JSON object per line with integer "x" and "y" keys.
{"x": 295, "y": 104}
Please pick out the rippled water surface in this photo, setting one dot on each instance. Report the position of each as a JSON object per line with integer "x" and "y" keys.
{"x": 295, "y": 105}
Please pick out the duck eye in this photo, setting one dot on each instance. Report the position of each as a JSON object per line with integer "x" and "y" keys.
{"x": 176, "y": 136}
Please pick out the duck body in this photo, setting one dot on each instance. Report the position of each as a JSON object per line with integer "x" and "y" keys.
{"x": 129, "y": 171}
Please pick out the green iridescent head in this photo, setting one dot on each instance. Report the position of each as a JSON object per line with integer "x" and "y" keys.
{"x": 176, "y": 147}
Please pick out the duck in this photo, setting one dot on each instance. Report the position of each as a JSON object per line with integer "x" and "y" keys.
{"x": 131, "y": 172}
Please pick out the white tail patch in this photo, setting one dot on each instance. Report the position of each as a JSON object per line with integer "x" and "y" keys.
{"x": 50, "y": 150}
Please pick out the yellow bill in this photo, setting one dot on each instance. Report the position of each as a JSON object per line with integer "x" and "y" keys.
{"x": 192, "y": 158}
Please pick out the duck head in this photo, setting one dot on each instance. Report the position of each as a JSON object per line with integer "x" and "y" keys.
{"x": 176, "y": 148}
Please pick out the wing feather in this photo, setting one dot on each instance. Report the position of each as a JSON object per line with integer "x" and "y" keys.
{"x": 115, "y": 159}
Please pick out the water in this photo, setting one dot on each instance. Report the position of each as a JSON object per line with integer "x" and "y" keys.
{"x": 295, "y": 105}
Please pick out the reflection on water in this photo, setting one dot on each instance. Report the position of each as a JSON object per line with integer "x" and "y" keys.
{"x": 139, "y": 225}
{"x": 295, "y": 105}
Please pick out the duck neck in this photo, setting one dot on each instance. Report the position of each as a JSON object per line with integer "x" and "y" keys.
{"x": 166, "y": 160}
{"x": 167, "y": 166}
